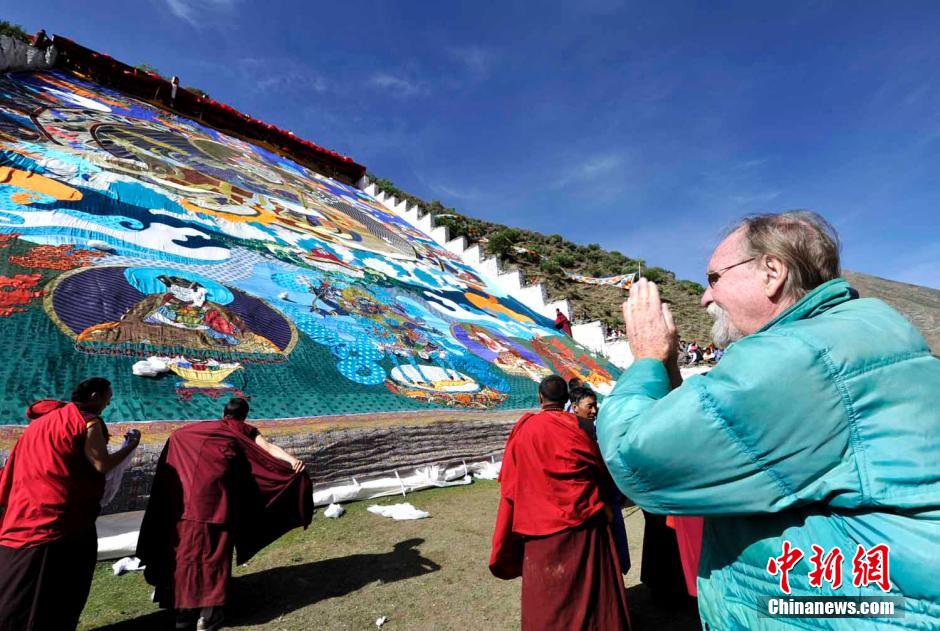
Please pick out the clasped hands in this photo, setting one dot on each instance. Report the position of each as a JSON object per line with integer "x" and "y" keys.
{"x": 651, "y": 330}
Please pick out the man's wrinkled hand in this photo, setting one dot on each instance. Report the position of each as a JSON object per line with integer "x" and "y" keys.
{"x": 297, "y": 466}
{"x": 651, "y": 330}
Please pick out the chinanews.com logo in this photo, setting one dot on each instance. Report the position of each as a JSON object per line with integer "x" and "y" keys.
{"x": 870, "y": 568}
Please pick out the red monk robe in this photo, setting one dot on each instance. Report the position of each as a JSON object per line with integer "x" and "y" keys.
{"x": 214, "y": 490}
{"x": 562, "y": 323}
{"x": 689, "y": 537}
{"x": 552, "y": 528}
{"x": 49, "y": 499}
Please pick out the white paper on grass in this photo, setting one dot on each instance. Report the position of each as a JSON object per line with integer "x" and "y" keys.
{"x": 334, "y": 511}
{"x": 127, "y": 564}
{"x": 398, "y": 511}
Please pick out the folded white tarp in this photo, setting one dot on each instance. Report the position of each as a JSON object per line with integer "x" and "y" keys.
{"x": 399, "y": 484}
{"x": 117, "y": 534}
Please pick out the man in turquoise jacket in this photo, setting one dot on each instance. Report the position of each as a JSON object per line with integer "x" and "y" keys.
{"x": 812, "y": 449}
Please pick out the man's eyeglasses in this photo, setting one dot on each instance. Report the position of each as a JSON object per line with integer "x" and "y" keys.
{"x": 713, "y": 277}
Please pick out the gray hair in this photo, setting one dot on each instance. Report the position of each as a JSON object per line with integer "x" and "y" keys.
{"x": 802, "y": 239}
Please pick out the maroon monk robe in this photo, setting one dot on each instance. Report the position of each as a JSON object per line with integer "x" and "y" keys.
{"x": 215, "y": 490}
{"x": 552, "y": 528}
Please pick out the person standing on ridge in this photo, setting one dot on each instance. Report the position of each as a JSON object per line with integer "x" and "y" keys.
{"x": 562, "y": 323}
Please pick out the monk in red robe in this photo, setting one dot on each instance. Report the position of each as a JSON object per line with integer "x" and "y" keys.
{"x": 553, "y": 527}
{"x": 689, "y": 537}
{"x": 562, "y": 323}
{"x": 219, "y": 486}
{"x": 50, "y": 495}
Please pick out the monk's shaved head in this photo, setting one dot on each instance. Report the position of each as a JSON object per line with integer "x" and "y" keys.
{"x": 88, "y": 389}
{"x": 92, "y": 395}
{"x": 553, "y": 389}
{"x": 237, "y": 408}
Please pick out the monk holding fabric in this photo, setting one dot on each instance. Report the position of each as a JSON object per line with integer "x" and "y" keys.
{"x": 50, "y": 495}
{"x": 219, "y": 486}
{"x": 553, "y": 528}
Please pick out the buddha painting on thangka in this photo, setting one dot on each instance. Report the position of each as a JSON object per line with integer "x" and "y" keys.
{"x": 129, "y": 234}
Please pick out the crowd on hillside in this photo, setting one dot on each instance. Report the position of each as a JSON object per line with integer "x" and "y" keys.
{"x": 694, "y": 354}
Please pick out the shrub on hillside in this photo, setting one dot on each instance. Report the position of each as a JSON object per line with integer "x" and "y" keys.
{"x": 550, "y": 267}
{"x": 13, "y": 30}
{"x": 532, "y": 255}
{"x": 500, "y": 244}
{"x": 657, "y": 274}
{"x": 563, "y": 259}
{"x": 692, "y": 287}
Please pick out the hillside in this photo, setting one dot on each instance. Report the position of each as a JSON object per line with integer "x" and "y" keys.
{"x": 920, "y": 304}
{"x": 542, "y": 258}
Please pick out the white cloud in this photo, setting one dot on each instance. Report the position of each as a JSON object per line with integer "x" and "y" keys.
{"x": 476, "y": 59}
{"x": 282, "y": 75}
{"x": 190, "y": 10}
{"x": 441, "y": 185}
{"x": 398, "y": 86}
{"x": 590, "y": 169}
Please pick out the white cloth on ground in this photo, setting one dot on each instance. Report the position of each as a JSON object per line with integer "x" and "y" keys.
{"x": 398, "y": 511}
{"x": 333, "y": 511}
{"x": 127, "y": 564}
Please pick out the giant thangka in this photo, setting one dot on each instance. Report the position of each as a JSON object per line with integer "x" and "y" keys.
{"x": 131, "y": 236}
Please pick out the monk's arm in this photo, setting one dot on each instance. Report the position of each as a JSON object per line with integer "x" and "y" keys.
{"x": 759, "y": 433}
{"x": 96, "y": 449}
{"x": 280, "y": 454}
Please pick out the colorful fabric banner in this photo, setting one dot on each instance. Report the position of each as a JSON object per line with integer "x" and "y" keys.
{"x": 621, "y": 281}
{"x": 131, "y": 235}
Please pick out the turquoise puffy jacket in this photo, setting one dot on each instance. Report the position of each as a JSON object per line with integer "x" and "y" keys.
{"x": 821, "y": 428}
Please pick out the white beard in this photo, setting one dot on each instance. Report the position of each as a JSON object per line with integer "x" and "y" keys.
{"x": 724, "y": 333}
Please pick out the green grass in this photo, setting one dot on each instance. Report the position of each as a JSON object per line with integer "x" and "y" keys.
{"x": 344, "y": 573}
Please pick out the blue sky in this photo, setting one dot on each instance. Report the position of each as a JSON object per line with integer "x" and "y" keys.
{"x": 646, "y": 128}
